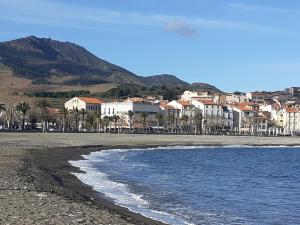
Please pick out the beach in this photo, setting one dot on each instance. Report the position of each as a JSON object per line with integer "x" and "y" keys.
{"x": 37, "y": 187}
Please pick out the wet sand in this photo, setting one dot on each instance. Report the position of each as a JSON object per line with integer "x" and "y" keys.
{"x": 36, "y": 186}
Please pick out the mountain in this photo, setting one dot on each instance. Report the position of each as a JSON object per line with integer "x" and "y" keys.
{"x": 43, "y": 63}
{"x": 205, "y": 87}
{"x": 46, "y": 61}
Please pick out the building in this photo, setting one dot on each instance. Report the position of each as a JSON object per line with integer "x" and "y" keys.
{"x": 134, "y": 105}
{"x": 88, "y": 104}
{"x": 243, "y": 119}
{"x": 291, "y": 121}
{"x": 228, "y": 117}
{"x": 257, "y": 97}
{"x": 168, "y": 110}
{"x": 233, "y": 98}
{"x": 184, "y": 107}
{"x": 196, "y": 95}
{"x": 294, "y": 91}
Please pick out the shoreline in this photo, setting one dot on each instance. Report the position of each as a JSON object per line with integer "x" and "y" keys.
{"x": 63, "y": 182}
{"x": 35, "y": 168}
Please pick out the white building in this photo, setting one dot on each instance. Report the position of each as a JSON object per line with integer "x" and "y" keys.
{"x": 212, "y": 113}
{"x": 228, "y": 117}
{"x": 88, "y": 104}
{"x": 196, "y": 95}
{"x": 185, "y": 107}
{"x": 291, "y": 121}
{"x": 243, "y": 119}
{"x": 135, "y": 105}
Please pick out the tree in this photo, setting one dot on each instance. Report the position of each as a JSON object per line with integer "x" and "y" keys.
{"x": 159, "y": 118}
{"x": 198, "y": 118}
{"x": 98, "y": 116}
{"x": 23, "y": 108}
{"x": 185, "y": 118}
{"x": 83, "y": 113}
{"x": 64, "y": 112}
{"x": 171, "y": 119}
{"x": 106, "y": 122}
{"x": 43, "y": 105}
{"x": 2, "y": 109}
{"x": 144, "y": 116}
{"x": 76, "y": 115}
{"x": 130, "y": 115}
{"x": 90, "y": 120}
{"x": 115, "y": 119}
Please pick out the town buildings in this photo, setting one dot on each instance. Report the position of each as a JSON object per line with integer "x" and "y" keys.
{"x": 255, "y": 113}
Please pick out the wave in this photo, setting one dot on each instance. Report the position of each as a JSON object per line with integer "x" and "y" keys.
{"x": 121, "y": 193}
{"x": 118, "y": 192}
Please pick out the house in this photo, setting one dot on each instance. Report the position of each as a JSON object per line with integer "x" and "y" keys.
{"x": 88, "y": 104}
{"x": 212, "y": 113}
{"x": 258, "y": 97}
{"x": 291, "y": 121}
{"x": 243, "y": 119}
{"x": 185, "y": 107}
{"x": 168, "y": 110}
{"x": 228, "y": 117}
{"x": 196, "y": 95}
{"x": 134, "y": 105}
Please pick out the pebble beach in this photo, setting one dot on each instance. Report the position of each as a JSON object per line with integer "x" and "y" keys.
{"x": 37, "y": 185}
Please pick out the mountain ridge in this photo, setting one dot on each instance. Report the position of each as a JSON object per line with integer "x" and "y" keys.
{"x": 47, "y": 61}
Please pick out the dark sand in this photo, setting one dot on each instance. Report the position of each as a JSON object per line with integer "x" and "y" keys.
{"x": 36, "y": 186}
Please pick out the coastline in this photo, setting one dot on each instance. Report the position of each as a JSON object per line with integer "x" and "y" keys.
{"x": 35, "y": 168}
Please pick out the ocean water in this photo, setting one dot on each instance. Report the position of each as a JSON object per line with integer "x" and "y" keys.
{"x": 200, "y": 185}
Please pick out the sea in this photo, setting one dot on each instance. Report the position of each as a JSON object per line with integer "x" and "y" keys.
{"x": 233, "y": 185}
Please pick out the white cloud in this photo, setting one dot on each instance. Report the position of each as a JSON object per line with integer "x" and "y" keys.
{"x": 53, "y": 13}
{"x": 181, "y": 29}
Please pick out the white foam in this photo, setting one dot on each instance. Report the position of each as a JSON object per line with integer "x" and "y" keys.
{"x": 119, "y": 192}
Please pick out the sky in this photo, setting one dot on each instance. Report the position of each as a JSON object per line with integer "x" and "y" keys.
{"x": 232, "y": 44}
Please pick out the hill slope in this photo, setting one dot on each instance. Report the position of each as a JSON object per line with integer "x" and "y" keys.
{"x": 46, "y": 61}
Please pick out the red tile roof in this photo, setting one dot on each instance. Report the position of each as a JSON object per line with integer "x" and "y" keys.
{"x": 292, "y": 110}
{"x": 136, "y": 100}
{"x": 184, "y": 103}
{"x": 243, "y": 108}
{"x": 90, "y": 100}
{"x": 166, "y": 106}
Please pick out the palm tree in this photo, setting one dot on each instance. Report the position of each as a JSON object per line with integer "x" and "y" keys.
{"x": 23, "y": 108}
{"x": 2, "y": 109}
{"x": 159, "y": 118}
{"x": 90, "y": 120}
{"x": 106, "y": 122}
{"x": 130, "y": 115}
{"x": 98, "y": 116}
{"x": 185, "y": 118}
{"x": 43, "y": 105}
{"x": 198, "y": 118}
{"x": 83, "y": 113}
{"x": 144, "y": 116}
{"x": 171, "y": 119}
{"x": 64, "y": 112}
{"x": 115, "y": 119}
{"x": 76, "y": 114}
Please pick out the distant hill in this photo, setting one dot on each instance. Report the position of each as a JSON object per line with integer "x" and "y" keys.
{"x": 43, "y": 61}
{"x": 205, "y": 87}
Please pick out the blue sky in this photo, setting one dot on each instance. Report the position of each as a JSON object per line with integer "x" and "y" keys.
{"x": 234, "y": 45}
